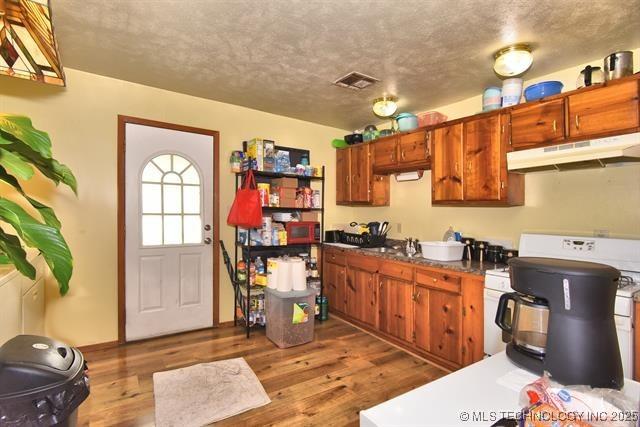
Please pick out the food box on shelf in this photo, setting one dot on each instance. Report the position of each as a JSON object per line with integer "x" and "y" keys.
{"x": 287, "y": 196}
{"x": 255, "y": 150}
{"x": 285, "y": 182}
{"x": 310, "y": 216}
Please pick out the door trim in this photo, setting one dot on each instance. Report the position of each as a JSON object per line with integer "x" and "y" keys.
{"x": 122, "y": 122}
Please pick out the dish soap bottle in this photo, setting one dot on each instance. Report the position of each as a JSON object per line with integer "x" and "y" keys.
{"x": 449, "y": 235}
{"x": 259, "y": 266}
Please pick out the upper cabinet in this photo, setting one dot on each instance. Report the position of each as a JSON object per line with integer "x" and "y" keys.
{"x": 540, "y": 123}
{"x": 446, "y": 176}
{"x": 405, "y": 152}
{"x": 604, "y": 111}
{"x": 355, "y": 182}
{"x": 469, "y": 164}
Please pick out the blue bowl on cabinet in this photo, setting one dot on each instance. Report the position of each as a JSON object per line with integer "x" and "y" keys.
{"x": 542, "y": 89}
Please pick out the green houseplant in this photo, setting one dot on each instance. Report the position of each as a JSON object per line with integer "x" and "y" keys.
{"x": 23, "y": 149}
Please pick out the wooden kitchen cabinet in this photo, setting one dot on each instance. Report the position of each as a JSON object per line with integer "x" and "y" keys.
{"x": 362, "y": 295}
{"x": 609, "y": 110}
{"x": 343, "y": 176}
{"x": 385, "y": 154}
{"x": 469, "y": 164}
{"x": 482, "y": 159}
{"x": 355, "y": 182}
{"x": 435, "y": 312}
{"x": 335, "y": 286}
{"x": 446, "y": 153}
{"x": 415, "y": 149}
{"x": 395, "y": 308}
{"x": 538, "y": 124}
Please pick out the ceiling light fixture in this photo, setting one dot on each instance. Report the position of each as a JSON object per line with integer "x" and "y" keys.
{"x": 27, "y": 45}
{"x": 513, "y": 60}
{"x": 385, "y": 106}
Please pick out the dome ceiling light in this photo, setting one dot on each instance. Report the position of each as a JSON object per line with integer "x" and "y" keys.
{"x": 385, "y": 106}
{"x": 513, "y": 60}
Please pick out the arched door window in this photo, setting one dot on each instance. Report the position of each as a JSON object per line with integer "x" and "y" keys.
{"x": 171, "y": 202}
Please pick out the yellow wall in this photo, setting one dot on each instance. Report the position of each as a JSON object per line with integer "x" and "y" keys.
{"x": 562, "y": 202}
{"x": 81, "y": 121}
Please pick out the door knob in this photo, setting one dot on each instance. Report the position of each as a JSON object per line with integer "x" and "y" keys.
{"x": 207, "y": 241}
{"x": 207, "y": 227}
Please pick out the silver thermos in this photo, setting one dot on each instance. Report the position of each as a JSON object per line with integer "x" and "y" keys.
{"x": 618, "y": 64}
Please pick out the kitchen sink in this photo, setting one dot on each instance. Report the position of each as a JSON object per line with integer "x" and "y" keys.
{"x": 384, "y": 250}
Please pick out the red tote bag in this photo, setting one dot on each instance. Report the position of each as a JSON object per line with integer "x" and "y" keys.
{"x": 246, "y": 210}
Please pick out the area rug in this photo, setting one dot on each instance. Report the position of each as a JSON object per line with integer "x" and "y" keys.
{"x": 206, "y": 393}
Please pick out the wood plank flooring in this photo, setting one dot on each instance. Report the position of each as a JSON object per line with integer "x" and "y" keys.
{"x": 326, "y": 382}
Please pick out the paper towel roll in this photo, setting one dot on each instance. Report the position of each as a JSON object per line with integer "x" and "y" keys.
{"x": 298, "y": 274}
{"x": 284, "y": 275}
{"x": 272, "y": 273}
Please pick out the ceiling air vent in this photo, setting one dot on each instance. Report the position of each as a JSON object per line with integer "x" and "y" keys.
{"x": 355, "y": 80}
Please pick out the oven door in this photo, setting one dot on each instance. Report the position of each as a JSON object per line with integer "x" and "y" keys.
{"x": 495, "y": 339}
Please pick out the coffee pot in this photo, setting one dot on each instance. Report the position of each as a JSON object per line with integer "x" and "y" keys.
{"x": 590, "y": 76}
{"x": 563, "y": 320}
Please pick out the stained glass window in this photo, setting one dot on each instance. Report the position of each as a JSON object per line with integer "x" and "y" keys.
{"x": 27, "y": 44}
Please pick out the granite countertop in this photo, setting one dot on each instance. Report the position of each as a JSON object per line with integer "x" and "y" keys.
{"x": 470, "y": 266}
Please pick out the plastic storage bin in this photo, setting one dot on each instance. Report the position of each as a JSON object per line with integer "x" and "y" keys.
{"x": 442, "y": 251}
{"x": 290, "y": 316}
{"x": 42, "y": 382}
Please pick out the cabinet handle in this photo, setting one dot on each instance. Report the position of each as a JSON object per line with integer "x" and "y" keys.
{"x": 402, "y": 154}
{"x": 577, "y": 119}
{"x": 555, "y": 127}
{"x": 391, "y": 157}
{"x": 435, "y": 280}
{"x": 445, "y": 308}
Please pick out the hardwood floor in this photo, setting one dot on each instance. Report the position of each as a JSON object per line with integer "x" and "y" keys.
{"x": 326, "y": 382}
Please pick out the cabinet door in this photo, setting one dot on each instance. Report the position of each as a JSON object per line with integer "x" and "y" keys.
{"x": 421, "y": 316}
{"x": 360, "y": 173}
{"x": 604, "y": 110}
{"x": 395, "y": 308}
{"x": 385, "y": 153}
{"x": 446, "y": 156}
{"x": 538, "y": 124}
{"x": 414, "y": 148}
{"x": 482, "y": 158}
{"x": 366, "y": 284}
{"x": 334, "y": 288}
{"x": 445, "y": 325}
{"x": 343, "y": 175}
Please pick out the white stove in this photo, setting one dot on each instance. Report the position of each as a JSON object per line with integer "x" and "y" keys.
{"x": 623, "y": 254}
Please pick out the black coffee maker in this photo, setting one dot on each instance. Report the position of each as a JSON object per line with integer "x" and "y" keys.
{"x": 563, "y": 320}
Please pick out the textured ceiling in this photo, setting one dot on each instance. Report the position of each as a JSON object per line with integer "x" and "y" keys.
{"x": 281, "y": 56}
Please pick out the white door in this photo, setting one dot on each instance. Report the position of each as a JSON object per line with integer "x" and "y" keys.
{"x": 169, "y": 220}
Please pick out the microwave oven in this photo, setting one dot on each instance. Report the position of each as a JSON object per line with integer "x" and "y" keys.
{"x": 303, "y": 232}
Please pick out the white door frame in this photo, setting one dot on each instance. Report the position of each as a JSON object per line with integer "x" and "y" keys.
{"x": 122, "y": 121}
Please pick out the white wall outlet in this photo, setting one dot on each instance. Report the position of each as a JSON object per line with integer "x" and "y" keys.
{"x": 600, "y": 233}
{"x": 399, "y": 227}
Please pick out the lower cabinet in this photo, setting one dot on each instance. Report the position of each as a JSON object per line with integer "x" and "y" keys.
{"x": 434, "y": 312}
{"x": 395, "y": 312}
{"x": 362, "y": 296}
{"x": 438, "y": 322}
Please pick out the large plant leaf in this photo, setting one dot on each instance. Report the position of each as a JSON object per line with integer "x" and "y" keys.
{"x": 49, "y": 167}
{"x": 21, "y": 129}
{"x": 15, "y": 164}
{"x": 47, "y": 214}
{"x": 11, "y": 250}
{"x": 42, "y": 236}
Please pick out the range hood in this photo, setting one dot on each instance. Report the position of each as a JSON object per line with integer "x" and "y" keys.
{"x": 577, "y": 155}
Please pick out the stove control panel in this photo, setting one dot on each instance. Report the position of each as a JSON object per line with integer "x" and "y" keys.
{"x": 579, "y": 245}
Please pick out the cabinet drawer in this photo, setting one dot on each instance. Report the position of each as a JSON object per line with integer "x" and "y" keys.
{"x": 365, "y": 263}
{"x": 396, "y": 270}
{"x": 335, "y": 256}
{"x": 435, "y": 279}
